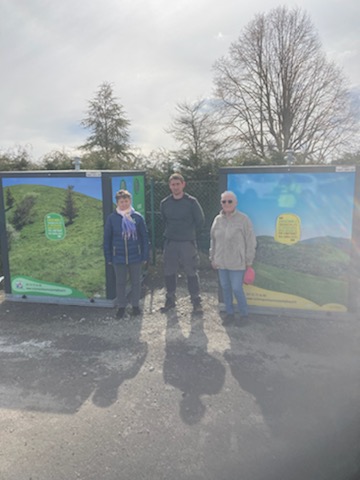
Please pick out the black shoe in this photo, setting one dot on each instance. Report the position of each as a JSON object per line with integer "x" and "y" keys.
{"x": 120, "y": 313}
{"x": 229, "y": 318}
{"x": 169, "y": 304}
{"x": 135, "y": 311}
{"x": 197, "y": 308}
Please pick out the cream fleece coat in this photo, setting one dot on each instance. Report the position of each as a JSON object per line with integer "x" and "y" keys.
{"x": 232, "y": 241}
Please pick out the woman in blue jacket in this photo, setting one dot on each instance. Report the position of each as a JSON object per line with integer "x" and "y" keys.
{"x": 126, "y": 247}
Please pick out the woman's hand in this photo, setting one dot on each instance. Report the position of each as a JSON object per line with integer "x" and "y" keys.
{"x": 214, "y": 265}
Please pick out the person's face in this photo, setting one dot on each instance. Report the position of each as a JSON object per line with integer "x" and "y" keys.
{"x": 228, "y": 203}
{"x": 123, "y": 203}
{"x": 176, "y": 187}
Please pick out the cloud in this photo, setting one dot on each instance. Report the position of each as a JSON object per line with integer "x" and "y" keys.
{"x": 54, "y": 56}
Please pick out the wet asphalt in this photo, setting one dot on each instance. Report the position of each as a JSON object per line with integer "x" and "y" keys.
{"x": 176, "y": 396}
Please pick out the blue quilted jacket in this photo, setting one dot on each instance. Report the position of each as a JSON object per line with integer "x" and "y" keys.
{"x": 121, "y": 250}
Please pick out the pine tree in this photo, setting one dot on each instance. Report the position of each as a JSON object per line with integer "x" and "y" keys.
{"x": 69, "y": 211}
{"x": 109, "y": 127}
{"x": 10, "y": 200}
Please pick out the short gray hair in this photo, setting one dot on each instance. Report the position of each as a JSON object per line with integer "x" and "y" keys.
{"x": 229, "y": 192}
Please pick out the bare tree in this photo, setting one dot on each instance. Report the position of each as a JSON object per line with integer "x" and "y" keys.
{"x": 108, "y": 125}
{"x": 279, "y": 92}
{"x": 159, "y": 164}
{"x": 196, "y": 129}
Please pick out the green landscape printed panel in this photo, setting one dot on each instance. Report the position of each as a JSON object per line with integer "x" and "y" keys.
{"x": 135, "y": 185}
{"x": 303, "y": 225}
{"x": 55, "y": 233}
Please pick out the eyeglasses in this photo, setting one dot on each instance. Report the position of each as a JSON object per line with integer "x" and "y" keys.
{"x": 226, "y": 201}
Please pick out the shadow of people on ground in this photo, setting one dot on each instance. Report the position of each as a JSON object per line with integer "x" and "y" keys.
{"x": 130, "y": 356}
{"x": 45, "y": 369}
{"x": 300, "y": 392}
{"x": 190, "y": 368}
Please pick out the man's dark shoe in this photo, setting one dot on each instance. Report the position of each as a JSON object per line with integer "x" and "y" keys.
{"x": 120, "y": 313}
{"x": 197, "y": 308}
{"x": 169, "y": 304}
{"x": 229, "y": 318}
{"x": 135, "y": 311}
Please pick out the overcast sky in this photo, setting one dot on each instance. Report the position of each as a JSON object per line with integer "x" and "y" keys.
{"x": 55, "y": 54}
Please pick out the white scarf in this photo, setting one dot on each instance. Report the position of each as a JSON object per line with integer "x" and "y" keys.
{"x": 128, "y": 223}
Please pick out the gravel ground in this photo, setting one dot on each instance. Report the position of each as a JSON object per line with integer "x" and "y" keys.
{"x": 86, "y": 396}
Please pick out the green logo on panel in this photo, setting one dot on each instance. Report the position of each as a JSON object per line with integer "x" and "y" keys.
{"x": 139, "y": 194}
{"x": 54, "y": 226}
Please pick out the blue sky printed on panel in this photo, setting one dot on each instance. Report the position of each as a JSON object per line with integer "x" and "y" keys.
{"x": 323, "y": 201}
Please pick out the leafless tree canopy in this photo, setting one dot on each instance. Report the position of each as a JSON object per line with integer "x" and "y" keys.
{"x": 193, "y": 128}
{"x": 196, "y": 128}
{"x": 279, "y": 92}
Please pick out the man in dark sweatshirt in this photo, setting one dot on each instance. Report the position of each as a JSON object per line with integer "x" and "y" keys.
{"x": 183, "y": 218}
